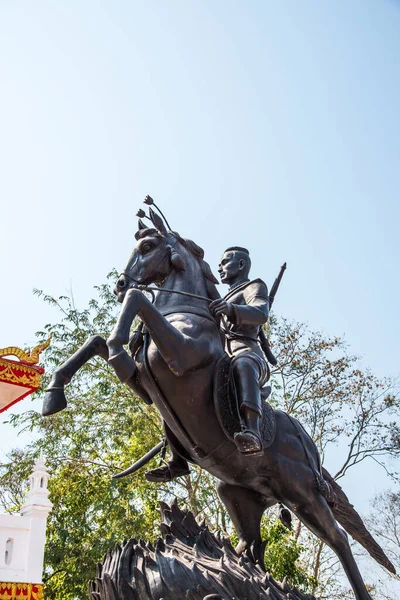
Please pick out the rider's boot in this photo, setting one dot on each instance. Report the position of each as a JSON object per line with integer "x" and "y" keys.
{"x": 248, "y": 440}
{"x": 176, "y": 467}
{"x": 246, "y": 377}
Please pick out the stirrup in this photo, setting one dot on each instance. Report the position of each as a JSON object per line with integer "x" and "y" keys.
{"x": 248, "y": 442}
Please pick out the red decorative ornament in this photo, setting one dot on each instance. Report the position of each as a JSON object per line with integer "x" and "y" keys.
{"x": 21, "y": 591}
{"x": 19, "y": 378}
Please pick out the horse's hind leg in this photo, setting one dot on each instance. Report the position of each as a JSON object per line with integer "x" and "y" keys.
{"x": 54, "y": 399}
{"x": 245, "y": 508}
{"x": 317, "y": 516}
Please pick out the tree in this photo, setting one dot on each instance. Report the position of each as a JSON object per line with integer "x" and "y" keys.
{"x": 321, "y": 383}
{"x": 104, "y": 429}
{"x": 384, "y": 522}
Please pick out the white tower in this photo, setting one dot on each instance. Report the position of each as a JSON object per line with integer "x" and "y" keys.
{"x": 37, "y": 506}
{"x": 23, "y": 537}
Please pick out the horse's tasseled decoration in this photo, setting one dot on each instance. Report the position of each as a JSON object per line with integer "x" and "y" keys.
{"x": 176, "y": 259}
{"x": 189, "y": 563}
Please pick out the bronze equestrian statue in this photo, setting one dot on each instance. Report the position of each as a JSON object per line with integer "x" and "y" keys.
{"x": 178, "y": 361}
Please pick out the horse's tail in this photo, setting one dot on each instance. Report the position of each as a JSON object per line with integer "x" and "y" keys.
{"x": 350, "y": 520}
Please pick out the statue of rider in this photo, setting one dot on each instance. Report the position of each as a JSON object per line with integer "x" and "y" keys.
{"x": 243, "y": 311}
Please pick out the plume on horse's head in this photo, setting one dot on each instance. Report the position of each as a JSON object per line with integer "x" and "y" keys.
{"x": 159, "y": 229}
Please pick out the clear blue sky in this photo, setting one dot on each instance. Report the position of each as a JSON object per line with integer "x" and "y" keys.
{"x": 272, "y": 125}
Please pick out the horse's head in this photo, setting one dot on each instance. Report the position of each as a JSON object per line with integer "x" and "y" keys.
{"x": 156, "y": 253}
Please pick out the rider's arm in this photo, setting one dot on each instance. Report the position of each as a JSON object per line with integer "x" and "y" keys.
{"x": 256, "y": 309}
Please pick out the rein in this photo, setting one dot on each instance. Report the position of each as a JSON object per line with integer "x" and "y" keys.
{"x": 152, "y": 288}
{"x": 149, "y": 288}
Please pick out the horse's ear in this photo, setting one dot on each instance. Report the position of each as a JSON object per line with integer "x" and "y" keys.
{"x": 157, "y": 221}
{"x": 141, "y": 226}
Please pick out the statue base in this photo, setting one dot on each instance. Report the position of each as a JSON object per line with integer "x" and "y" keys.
{"x": 187, "y": 563}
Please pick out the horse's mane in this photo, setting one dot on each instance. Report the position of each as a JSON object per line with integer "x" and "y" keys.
{"x": 195, "y": 251}
{"x": 198, "y": 253}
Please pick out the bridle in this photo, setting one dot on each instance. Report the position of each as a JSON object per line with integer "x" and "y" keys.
{"x": 152, "y": 289}
{"x": 148, "y": 288}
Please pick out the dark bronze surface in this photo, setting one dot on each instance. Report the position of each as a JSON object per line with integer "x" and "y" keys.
{"x": 187, "y": 563}
{"x": 175, "y": 366}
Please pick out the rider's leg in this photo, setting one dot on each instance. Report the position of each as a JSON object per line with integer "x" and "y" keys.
{"x": 176, "y": 467}
{"x": 247, "y": 376}
{"x": 251, "y": 417}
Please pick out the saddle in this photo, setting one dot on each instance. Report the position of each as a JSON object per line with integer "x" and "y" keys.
{"x": 227, "y": 408}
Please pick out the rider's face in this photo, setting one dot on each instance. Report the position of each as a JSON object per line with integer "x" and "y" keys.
{"x": 230, "y": 267}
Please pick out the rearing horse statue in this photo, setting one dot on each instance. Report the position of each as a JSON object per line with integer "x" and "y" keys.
{"x": 175, "y": 367}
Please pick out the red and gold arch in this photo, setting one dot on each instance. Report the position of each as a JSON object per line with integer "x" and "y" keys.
{"x": 20, "y": 375}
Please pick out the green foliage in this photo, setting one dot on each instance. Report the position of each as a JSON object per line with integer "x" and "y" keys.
{"x": 282, "y": 554}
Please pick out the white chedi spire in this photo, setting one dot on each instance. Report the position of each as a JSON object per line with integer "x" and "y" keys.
{"x": 37, "y": 501}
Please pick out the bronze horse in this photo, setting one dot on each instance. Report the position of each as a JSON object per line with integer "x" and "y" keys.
{"x": 175, "y": 368}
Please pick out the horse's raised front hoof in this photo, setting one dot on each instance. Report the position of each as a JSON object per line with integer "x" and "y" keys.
{"x": 54, "y": 401}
